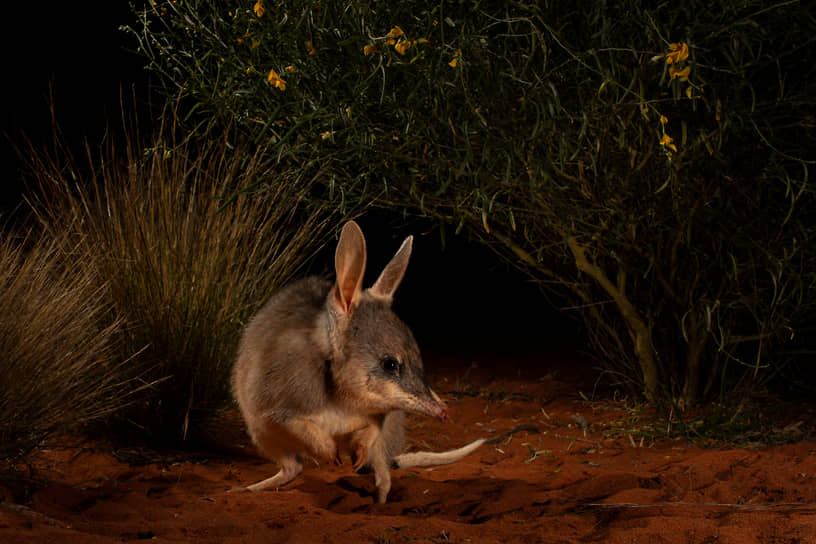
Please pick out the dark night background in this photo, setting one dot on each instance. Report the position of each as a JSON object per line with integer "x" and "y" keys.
{"x": 77, "y": 50}
{"x": 459, "y": 296}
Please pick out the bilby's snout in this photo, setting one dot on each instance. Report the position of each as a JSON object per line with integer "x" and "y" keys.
{"x": 442, "y": 414}
{"x": 428, "y": 404}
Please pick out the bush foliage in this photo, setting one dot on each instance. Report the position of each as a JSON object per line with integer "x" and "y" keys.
{"x": 182, "y": 272}
{"x": 649, "y": 162}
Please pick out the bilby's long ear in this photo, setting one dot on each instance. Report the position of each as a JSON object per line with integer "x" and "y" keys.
{"x": 393, "y": 272}
{"x": 349, "y": 263}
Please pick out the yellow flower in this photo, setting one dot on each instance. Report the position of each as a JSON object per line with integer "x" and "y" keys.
{"x": 311, "y": 48}
{"x": 402, "y": 46}
{"x": 370, "y": 50}
{"x": 663, "y": 120}
{"x": 390, "y": 41}
{"x": 455, "y": 60}
{"x": 259, "y": 9}
{"x": 688, "y": 92}
{"x": 683, "y": 74}
{"x": 395, "y": 32}
{"x": 679, "y": 52}
{"x": 290, "y": 68}
{"x": 667, "y": 141}
{"x": 275, "y": 80}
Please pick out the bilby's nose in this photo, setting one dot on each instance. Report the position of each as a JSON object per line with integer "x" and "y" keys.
{"x": 442, "y": 412}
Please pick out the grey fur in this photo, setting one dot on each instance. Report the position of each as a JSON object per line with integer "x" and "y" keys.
{"x": 325, "y": 367}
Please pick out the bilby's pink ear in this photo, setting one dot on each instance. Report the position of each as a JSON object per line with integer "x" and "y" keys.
{"x": 393, "y": 272}
{"x": 349, "y": 263}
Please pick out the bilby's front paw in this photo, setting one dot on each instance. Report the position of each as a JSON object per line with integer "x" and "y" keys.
{"x": 326, "y": 451}
{"x": 360, "y": 456}
{"x": 361, "y": 443}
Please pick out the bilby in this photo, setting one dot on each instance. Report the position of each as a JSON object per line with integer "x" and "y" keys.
{"x": 325, "y": 368}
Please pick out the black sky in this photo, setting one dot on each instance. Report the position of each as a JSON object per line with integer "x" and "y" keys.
{"x": 74, "y": 48}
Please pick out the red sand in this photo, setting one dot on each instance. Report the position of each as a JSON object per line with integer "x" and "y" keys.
{"x": 576, "y": 480}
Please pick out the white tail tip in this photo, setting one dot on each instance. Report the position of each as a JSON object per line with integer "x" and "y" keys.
{"x": 432, "y": 459}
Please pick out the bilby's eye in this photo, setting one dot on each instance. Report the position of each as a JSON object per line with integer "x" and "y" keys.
{"x": 390, "y": 365}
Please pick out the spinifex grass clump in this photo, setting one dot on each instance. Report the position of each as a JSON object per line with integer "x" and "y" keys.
{"x": 183, "y": 273}
{"x": 649, "y": 163}
{"x": 58, "y": 345}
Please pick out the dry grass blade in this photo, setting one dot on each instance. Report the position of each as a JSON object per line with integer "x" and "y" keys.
{"x": 183, "y": 272}
{"x": 58, "y": 345}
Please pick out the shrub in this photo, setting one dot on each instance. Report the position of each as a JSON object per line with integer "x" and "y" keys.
{"x": 58, "y": 345}
{"x": 182, "y": 270}
{"x": 650, "y": 163}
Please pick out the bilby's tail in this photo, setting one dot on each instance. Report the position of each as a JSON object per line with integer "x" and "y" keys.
{"x": 432, "y": 459}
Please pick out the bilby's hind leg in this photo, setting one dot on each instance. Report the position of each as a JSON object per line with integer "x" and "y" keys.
{"x": 290, "y": 467}
{"x": 314, "y": 438}
{"x": 275, "y": 443}
{"x": 389, "y": 442}
{"x": 382, "y": 473}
